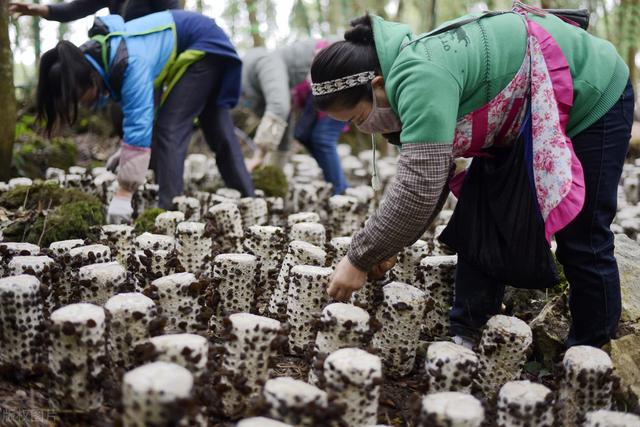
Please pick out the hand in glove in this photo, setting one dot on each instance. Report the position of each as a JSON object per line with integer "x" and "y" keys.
{"x": 256, "y": 161}
{"x": 120, "y": 210}
{"x": 113, "y": 161}
{"x": 269, "y": 132}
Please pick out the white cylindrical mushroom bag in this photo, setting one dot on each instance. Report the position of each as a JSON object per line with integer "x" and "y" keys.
{"x": 504, "y": 347}
{"x": 436, "y": 276}
{"x": 450, "y": 367}
{"x": 525, "y": 403}
{"x": 295, "y": 402}
{"x": 399, "y": 315}
{"x": 248, "y": 341}
{"x": 450, "y": 409}
{"x": 586, "y": 385}
{"x": 131, "y": 324}
{"x": 307, "y": 296}
{"x": 22, "y": 317}
{"x": 78, "y": 356}
{"x": 267, "y": 243}
{"x": 156, "y": 394}
{"x": 341, "y": 326}
{"x": 352, "y": 379}
{"x": 299, "y": 253}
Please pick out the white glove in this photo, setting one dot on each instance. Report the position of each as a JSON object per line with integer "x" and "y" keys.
{"x": 120, "y": 210}
{"x": 113, "y": 161}
{"x": 269, "y": 132}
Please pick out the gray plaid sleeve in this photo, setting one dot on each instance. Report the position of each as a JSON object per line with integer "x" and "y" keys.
{"x": 410, "y": 205}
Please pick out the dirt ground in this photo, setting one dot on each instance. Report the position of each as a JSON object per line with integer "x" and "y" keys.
{"x": 25, "y": 403}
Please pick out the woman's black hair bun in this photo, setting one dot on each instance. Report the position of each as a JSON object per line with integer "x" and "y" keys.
{"x": 361, "y": 31}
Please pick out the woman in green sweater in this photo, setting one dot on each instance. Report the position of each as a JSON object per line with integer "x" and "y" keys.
{"x": 474, "y": 89}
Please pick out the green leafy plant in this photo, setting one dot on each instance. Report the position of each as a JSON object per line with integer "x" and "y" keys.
{"x": 147, "y": 221}
{"x": 25, "y": 125}
{"x": 46, "y": 213}
{"x": 40, "y": 195}
{"x": 271, "y": 180}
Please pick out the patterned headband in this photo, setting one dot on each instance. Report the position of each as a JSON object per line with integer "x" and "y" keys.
{"x": 342, "y": 83}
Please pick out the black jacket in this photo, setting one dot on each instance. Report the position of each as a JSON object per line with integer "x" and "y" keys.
{"x": 128, "y": 9}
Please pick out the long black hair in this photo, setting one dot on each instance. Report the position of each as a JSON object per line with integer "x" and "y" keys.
{"x": 356, "y": 54}
{"x": 65, "y": 75}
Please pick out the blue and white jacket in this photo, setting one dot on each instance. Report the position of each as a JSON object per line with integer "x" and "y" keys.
{"x": 149, "y": 54}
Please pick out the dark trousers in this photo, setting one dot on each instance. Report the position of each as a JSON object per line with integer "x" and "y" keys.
{"x": 195, "y": 95}
{"x": 585, "y": 246}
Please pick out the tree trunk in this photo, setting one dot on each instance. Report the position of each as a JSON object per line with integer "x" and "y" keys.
{"x": 62, "y": 27}
{"x": 300, "y": 17}
{"x": 380, "y": 10}
{"x": 607, "y": 23}
{"x": 254, "y": 25}
{"x": 321, "y": 18}
{"x": 335, "y": 17}
{"x": 35, "y": 33}
{"x": 433, "y": 16}
{"x": 401, "y": 5}
{"x": 7, "y": 95}
{"x": 633, "y": 68}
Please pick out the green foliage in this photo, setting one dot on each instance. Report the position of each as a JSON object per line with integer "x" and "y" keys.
{"x": 271, "y": 180}
{"x": 564, "y": 284}
{"x": 34, "y": 155}
{"x": 52, "y": 213}
{"x": 25, "y": 126}
{"x": 250, "y": 21}
{"x": 147, "y": 221}
{"x": 42, "y": 195}
{"x": 72, "y": 221}
{"x": 98, "y": 123}
{"x": 93, "y": 163}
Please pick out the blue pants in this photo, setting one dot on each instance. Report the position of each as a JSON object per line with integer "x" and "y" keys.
{"x": 585, "y": 246}
{"x": 320, "y": 137}
{"x": 195, "y": 95}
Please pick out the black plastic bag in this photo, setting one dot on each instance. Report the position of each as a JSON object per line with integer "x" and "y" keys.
{"x": 496, "y": 225}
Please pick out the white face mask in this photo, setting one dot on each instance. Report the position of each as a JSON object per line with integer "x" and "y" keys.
{"x": 380, "y": 120}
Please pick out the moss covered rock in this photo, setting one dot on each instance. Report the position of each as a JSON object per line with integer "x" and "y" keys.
{"x": 78, "y": 220}
{"x": 271, "y": 180}
{"x": 43, "y": 195}
{"x": 51, "y": 213}
{"x": 33, "y": 156}
{"x": 147, "y": 221}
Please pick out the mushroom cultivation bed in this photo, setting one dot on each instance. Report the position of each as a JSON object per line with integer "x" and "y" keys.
{"x": 220, "y": 317}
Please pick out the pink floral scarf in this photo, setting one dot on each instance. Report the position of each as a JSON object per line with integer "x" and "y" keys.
{"x": 557, "y": 173}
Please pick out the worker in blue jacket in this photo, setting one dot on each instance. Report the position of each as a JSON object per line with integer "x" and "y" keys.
{"x": 166, "y": 69}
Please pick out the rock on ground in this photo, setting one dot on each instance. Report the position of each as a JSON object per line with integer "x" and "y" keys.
{"x": 628, "y": 255}
{"x": 625, "y": 354}
{"x": 550, "y": 330}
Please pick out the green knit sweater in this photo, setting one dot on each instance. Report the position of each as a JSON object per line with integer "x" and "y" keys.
{"x": 433, "y": 82}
